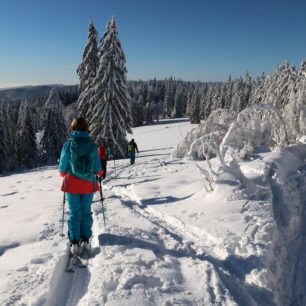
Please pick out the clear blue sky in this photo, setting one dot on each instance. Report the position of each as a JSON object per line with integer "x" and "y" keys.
{"x": 42, "y": 41}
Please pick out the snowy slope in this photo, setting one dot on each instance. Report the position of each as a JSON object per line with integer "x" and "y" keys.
{"x": 167, "y": 241}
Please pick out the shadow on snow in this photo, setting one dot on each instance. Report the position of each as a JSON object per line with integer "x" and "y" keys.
{"x": 162, "y": 200}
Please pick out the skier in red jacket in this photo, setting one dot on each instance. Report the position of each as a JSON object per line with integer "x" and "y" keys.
{"x": 104, "y": 153}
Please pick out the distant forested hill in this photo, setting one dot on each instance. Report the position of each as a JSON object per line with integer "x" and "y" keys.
{"x": 30, "y": 92}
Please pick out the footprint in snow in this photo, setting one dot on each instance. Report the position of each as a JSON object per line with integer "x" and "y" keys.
{"x": 4, "y": 248}
{"x": 142, "y": 281}
{"x": 40, "y": 260}
{"x": 23, "y": 269}
{"x": 10, "y": 193}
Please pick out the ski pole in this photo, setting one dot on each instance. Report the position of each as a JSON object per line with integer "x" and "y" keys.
{"x": 115, "y": 168}
{"x": 114, "y": 154}
{"x": 103, "y": 210}
{"x": 63, "y": 212}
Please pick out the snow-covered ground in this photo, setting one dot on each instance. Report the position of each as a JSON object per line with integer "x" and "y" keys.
{"x": 167, "y": 240}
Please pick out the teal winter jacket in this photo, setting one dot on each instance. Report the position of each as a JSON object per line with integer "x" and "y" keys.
{"x": 82, "y": 143}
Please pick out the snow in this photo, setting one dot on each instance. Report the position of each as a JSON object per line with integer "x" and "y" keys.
{"x": 168, "y": 241}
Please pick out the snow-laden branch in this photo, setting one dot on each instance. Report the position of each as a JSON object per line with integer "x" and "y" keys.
{"x": 207, "y": 145}
{"x": 212, "y": 133}
{"x": 256, "y": 126}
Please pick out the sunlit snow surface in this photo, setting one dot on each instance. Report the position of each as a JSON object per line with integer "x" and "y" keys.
{"x": 167, "y": 241}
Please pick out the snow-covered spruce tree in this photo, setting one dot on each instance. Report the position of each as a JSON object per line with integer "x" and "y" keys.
{"x": 189, "y": 101}
{"x": 87, "y": 70}
{"x": 228, "y": 93}
{"x": 276, "y": 88}
{"x": 169, "y": 96}
{"x": 110, "y": 112}
{"x": 208, "y": 95}
{"x": 294, "y": 113}
{"x": 54, "y": 128}
{"x": 25, "y": 140}
{"x": 195, "y": 107}
{"x": 148, "y": 112}
{"x": 138, "y": 111}
{"x": 301, "y": 101}
{"x": 178, "y": 109}
{"x": 4, "y": 144}
{"x": 237, "y": 98}
{"x": 10, "y": 119}
{"x": 158, "y": 110}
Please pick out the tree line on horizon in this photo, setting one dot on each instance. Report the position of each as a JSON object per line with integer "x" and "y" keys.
{"x": 114, "y": 105}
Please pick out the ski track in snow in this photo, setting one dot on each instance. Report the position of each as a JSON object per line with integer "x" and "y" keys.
{"x": 172, "y": 242}
{"x": 169, "y": 249}
{"x": 185, "y": 243}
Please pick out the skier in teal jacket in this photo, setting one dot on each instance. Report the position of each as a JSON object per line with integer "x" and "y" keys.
{"x": 79, "y": 164}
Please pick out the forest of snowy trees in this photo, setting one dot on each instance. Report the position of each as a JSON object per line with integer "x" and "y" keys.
{"x": 32, "y": 131}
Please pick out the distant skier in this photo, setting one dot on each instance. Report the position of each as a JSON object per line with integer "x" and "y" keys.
{"x": 79, "y": 163}
{"x": 104, "y": 153}
{"x": 132, "y": 147}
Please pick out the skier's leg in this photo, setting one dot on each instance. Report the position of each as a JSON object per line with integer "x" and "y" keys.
{"x": 74, "y": 220}
{"x": 87, "y": 220}
{"x": 104, "y": 175}
{"x": 103, "y": 162}
{"x": 132, "y": 158}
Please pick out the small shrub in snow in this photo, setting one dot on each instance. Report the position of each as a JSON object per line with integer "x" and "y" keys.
{"x": 212, "y": 133}
{"x": 207, "y": 146}
{"x": 256, "y": 126}
{"x": 206, "y": 138}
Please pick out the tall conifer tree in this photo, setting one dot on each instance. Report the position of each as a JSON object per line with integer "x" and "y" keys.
{"x": 178, "y": 109}
{"x": 25, "y": 145}
{"x": 87, "y": 70}
{"x": 195, "y": 107}
{"x": 55, "y": 128}
{"x": 110, "y": 111}
{"x": 4, "y": 145}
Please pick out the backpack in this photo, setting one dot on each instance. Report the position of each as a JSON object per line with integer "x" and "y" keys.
{"x": 82, "y": 157}
{"x": 130, "y": 147}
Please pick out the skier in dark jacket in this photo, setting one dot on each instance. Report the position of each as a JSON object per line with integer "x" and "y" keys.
{"x": 79, "y": 165}
{"x": 131, "y": 148}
